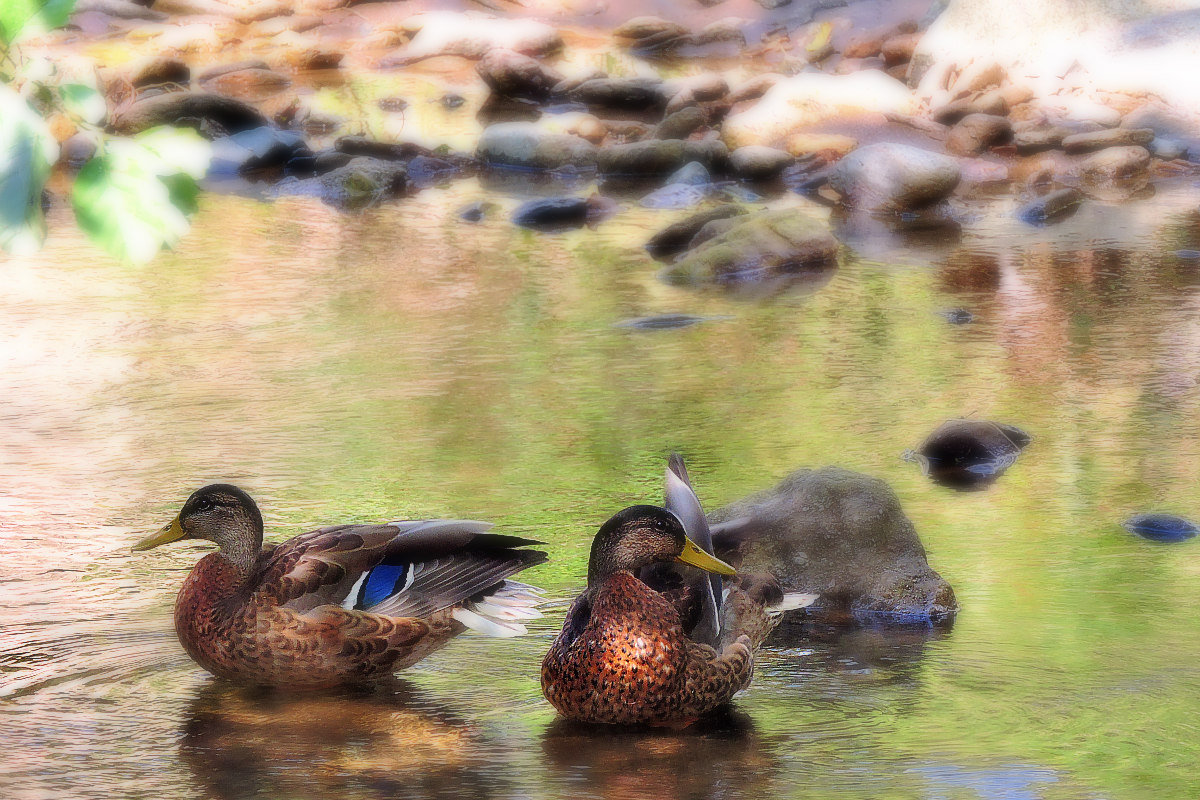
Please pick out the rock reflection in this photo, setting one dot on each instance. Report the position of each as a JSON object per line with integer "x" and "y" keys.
{"x": 893, "y": 653}
{"x": 242, "y": 743}
{"x": 718, "y": 757}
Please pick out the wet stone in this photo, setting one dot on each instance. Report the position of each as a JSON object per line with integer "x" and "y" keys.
{"x": 512, "y": 74}
{"x": 976, "y": 133}
{"x": 675, "y": 237}
{"x": 970, "y": 453}
{"x": 627, "y": 94}
{"x": 681, "y": 124}
{"x": 158, "y": 70}
{"x": 1161, "y": 527}
{"x": 475, "y": 212}
{"x": 1115, "y": 164}
{"x": 259, "y": 148}
{"x": 1052, "y": 207}
{"x": 553, "y": 213}
{"x": 894, "y": 177}
{"x": 1031, "y": 141}
{"x": 758, "y": 162}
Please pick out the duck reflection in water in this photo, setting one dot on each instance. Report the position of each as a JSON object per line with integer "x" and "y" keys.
{"x": 710, "y": 759}
{"x": 386, "y": 742}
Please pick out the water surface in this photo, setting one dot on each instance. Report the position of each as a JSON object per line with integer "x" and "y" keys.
{"x": 404, "y": 363}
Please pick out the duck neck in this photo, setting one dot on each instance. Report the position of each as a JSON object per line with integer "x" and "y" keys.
{"x": 241, "y": 551}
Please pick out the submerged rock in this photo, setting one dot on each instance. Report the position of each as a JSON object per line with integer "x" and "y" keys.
{"x": 894, "y": 177}
{"x": 628, "y": 94}
{"x": 524, "y": 144}
{"x": 1161, "y": 527}
{"x": 1052, "y": 207}
{"x": 762, "y": 245}
{"x": 363, "y": 182}
{"x": 661, "y": 322}
{"x": 970, "y": 453}
{"x": 840, "y": 534}
{"x": 675, "y": 238}
{"x": 552, "y": 213}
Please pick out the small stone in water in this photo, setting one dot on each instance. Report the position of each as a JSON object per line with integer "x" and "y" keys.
{"x": 392, "y": 104}
{"x": 552, "y": 213}
{"x": 958, "y": 316}
{"x": 476, "y": 211}
{"x": 452, "y": 100}
{"x": 660, "y": 322}
{"x": 1161, "y": 527}
{"x": 1188, "y": 254}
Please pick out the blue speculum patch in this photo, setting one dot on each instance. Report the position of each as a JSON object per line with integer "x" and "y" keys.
{"x": 1161, "y": 527}
{"x": 381, "y": 583}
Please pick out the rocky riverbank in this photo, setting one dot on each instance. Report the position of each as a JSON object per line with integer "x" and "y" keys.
{"x": 359, "y": 104}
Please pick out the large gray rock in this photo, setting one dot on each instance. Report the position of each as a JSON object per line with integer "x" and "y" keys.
{"x": 841, "y": 534}
{"x": 524, "y": 144}
{"x": 756, "y": 247}
{"x": 894, "y": 177}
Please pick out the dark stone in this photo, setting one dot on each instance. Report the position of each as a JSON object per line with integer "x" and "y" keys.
{"x": 211, "y": 114}
{"x": 840, "y": 534}
{"x": 1052, "y": 207}
{"x": 260, "y": 148}
{"x": 674, "y": 238}
{"x": 329, "y": 160}
{"x": 975, "y": 133}
{"x": 159, "y": 70}
{"x": 660, "y": 156}
{"x": 626, "y": 94}
{"x": 429, "y": 170}
{"x": 970, "y": 453}
{"x": 553, "y": 213}
{"x": 958, "y": 316}
{"x": 475, "y": 212}
{"x": 386, "y": 151}
{"x": 661, "y": 322}
{"x": 452, "y": 100}
{"x": 512, "y": 74}
{"x": 1161, "y": 527}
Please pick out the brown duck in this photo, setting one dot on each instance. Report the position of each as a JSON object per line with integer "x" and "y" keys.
{"x": 649, "y": 641}
{"x": 348, "y": 604}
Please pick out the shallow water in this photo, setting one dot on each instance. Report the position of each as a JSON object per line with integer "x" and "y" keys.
{"x": 407, "y": 363}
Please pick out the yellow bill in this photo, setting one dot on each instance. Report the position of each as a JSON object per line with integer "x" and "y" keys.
{"x": 692, "y": 554}
{"x": 171, "y": 532}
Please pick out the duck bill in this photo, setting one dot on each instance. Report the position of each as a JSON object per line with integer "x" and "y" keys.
{"x": 172, "y": 532}
{"x": 693, "y": 555}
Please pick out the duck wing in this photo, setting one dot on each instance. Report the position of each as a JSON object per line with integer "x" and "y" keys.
{"x": 681, "y": 500}
{"x": 406, "y": 569}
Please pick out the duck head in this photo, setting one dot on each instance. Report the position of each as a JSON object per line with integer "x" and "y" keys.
{"x": 638, "y": 536}
{"x": 219, "y": 513}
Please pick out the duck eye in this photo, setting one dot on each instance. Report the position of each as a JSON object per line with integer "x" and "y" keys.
{"x": 204, "y": 504}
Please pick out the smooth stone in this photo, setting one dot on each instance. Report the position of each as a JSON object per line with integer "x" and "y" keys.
{"x": 681, "y": 124}
{"x": 258, "y": 148}
{"x": 894, "y": 177}
{"x": 386, "y": 151}
{"x": 524, "y": 144}
{"x": 674, "y": 238}
{"x": 1115, "y": 164}
{"x": 757, "y": 246}
{"x": 677, "y": 196}
{"x": 1161, "y": 527}
{"x": 512, "y": 74}
{"x": 1168, "y": 149}
{"x": 1030, "y": 141}
{"x": 899, "y": 49}
{"x": 628, "y": 94}
{"x": 758, "y": 162}
{"x": 1052, "y": 207}
{"x": 212, "y": 114}
{"x": 1112, "y": 137}
{"x": 970, "y": 453}
{"x": 424, "y": 170}
{"x": 843, "y": 535}
{"x": 233, "y": 66}
{"x": 992, "y": 102}
{"x": 659, "y": 156}
{"x": 650, "y": 35}
{"x": 552, "y": 213}
{"x": 472, "y": 35}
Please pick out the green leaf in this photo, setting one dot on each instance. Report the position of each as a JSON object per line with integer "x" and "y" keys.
{"x": 181, "y": 150}
{"x": 28, "y": 17}
{"x": 84, "y": 102}
{"x": 27, "y": 152}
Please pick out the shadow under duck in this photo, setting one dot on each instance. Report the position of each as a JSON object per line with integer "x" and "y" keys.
{"x": 665, "y": 632}
{"x": 343, "y": 605}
